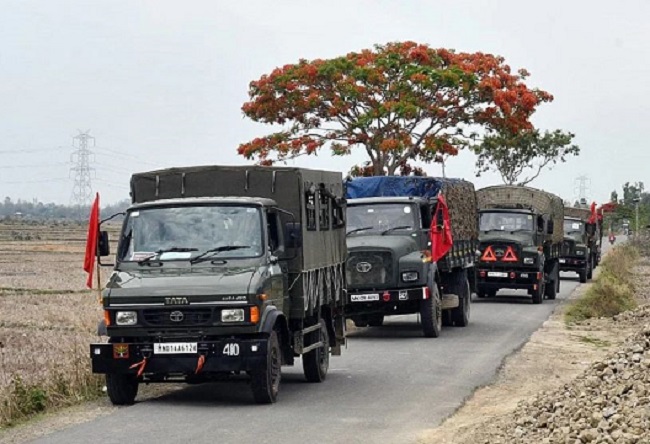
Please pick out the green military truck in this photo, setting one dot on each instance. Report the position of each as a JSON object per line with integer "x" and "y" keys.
{"x": 520, "y": 234}
{"x": 390, "y": 270}
{"x": 224, "y": 272}
{"x": 581, "y": 245}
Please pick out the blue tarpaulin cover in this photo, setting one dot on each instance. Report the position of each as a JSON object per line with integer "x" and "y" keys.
{"x": 390, "y": 186}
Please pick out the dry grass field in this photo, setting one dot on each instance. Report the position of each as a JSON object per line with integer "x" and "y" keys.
{"x": 47, "y": 319}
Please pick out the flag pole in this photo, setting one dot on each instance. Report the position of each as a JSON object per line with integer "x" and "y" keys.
{"x": 99, "y": 279}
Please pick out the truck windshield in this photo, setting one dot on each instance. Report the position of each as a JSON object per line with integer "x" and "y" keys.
{"x": 183, "y": 232}
{"x": 504, "y": 221}
{"x": 572, "y": 226}
{"x": 377, "y": 218}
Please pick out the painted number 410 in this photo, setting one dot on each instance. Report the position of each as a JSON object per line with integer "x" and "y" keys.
{"x": 231, "y": 350}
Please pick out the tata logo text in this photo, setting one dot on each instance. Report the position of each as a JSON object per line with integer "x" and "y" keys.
{"x": 364, "y": 267}
{"x": 176, "y": 301}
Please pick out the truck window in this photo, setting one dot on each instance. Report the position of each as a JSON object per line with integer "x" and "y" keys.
{"x": 382, "y": 217}
{"x": 505, "y": 221}
{"x": 196, "y": 227}
{"x": 273, "y": 227}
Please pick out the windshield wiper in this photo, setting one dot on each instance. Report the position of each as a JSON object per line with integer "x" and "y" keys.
{"x": 214, "y": 251}
{"x": 493, "y": 229}
{"x": 401, "y": 227}
{"x": 166, "y": 250}
{"x": 517, "y": 230}
{"x": 356, "y": 230}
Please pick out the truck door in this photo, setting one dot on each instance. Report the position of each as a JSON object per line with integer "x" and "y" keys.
{"x": 279, "y": 270}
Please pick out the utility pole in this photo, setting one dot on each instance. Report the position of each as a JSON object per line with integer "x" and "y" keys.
{"x": 80, "y": 169}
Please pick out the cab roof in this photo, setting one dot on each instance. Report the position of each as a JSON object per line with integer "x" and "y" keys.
{"x": 189, "y": 201}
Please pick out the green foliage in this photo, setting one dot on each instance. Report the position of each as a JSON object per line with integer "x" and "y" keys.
{"x": 511, "y": 154}
{"x": 612, "y": 291}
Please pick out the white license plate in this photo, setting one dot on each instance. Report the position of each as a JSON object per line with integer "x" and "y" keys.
{"x": 175, "y": 348}
{"x": 563, "y": 261}
{"x": 497, "y": 274}
{"x": 364, "y": 297}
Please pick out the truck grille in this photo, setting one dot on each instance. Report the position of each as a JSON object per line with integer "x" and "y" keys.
{"x": 568, "y": 247}
{"x": 171, "y": 318}
{"x": 370, "y": 269}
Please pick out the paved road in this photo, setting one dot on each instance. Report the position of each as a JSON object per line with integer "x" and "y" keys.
{"x": 390, "y": 384}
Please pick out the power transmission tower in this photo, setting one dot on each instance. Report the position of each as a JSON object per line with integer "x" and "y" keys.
{"x": 81, "y": 171}
{"x": 582, "y": 189}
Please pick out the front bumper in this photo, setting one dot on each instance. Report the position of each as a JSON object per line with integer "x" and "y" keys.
{"x": 573, "y": 263}
{"x": 220, "y": 356}
{"x": 387, "y": 302}
{"x": 516, "y": 279}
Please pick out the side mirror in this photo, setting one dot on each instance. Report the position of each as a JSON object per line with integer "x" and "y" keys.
{"x": 540, "y": 224}
{"x": 103, "y": 247}
{"x": 293, "y": 235}
{"x": 549, "y": 227}
{"x": 590, "y": 229}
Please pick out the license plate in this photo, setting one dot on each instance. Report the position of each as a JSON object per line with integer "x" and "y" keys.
{"x": 175, "y": 348}
{"x": 364, "y": 297}
{"x": 563, "y": 261}
{"x": 497, "y": 274}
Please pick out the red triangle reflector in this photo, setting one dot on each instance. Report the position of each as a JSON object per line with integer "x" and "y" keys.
{"x": 488, "y": 255}
{"x": 510, "y": 256}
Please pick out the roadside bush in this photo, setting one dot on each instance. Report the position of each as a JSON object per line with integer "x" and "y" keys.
{"x": 612, "y": 291}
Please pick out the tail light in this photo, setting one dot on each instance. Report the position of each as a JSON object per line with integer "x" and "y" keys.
{"x": 386, "y": 296}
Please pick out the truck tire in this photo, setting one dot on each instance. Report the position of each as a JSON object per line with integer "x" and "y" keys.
{"x": 265, "y": 382}
{"x": 460, "y": 314}
{"x": 316, "y": 362}
{"x": 122, "y": 389}
{"x": 376, "y": 320}
{"x": 582, "y": 275}
{"x": 360, "y": 322}
{"x": 590, "y": 269}
{"x": 431, "y": 313}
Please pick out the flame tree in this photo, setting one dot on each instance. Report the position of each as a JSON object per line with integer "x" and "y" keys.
{"x": 400, "y": 102}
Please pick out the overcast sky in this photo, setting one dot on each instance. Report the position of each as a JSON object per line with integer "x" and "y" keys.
{"x": 161, "y": 83}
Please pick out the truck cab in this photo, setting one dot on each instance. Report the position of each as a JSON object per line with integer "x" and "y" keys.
{"x": 576, "y": 252}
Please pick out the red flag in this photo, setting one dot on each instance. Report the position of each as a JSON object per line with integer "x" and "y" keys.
{"x": 593, "y": 217}
{"x": 441, "y": 239}
{"x": 91, "y": 241}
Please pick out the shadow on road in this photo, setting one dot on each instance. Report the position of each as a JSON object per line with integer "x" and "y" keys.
{"x": 504, "y": 299}
{"x": 390, "y": 330}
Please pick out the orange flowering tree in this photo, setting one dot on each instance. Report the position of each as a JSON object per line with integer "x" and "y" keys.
{"x": 400, "y": 102}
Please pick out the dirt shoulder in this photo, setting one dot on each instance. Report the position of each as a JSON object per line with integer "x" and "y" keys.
{"x": 554, "y": 356}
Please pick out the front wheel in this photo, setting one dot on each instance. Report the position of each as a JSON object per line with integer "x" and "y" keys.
{"x": 431, "y": 313}
{"x": 316, "y": 362}
{"x": 265, "y": 382}
{"x": 460, "y": 314}
{"x": 122, "y": 389}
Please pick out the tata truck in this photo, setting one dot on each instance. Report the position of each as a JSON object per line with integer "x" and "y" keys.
{"x": 581, "y": 244}
{"x": 224, "y": 272}
{"x": 521, "y": 230}
{"x": 390, "y": 269}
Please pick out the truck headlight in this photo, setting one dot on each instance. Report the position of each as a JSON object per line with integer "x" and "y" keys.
{"x": 126, "y": 318}
{"x": 580, "y": 252}
{"x": 232, "y": 315}
{"x": 410, "y": 276}
{"x": 529, "y": 260}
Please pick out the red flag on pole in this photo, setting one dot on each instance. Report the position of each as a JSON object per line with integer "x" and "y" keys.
{"x": 91, "y": 241}
{"x": 441, "y": 238}
{"x": 593, "y": 217}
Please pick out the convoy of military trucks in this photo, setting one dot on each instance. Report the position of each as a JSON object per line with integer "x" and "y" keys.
{"x": 231, "y": 272}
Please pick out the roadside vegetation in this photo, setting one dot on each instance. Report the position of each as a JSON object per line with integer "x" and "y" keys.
{"x": 47, "y": 321}
{"x": 612, "y": 290}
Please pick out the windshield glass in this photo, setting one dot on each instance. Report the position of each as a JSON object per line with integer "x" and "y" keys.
{"x": 503, "y": 221}
{"x": 572, "y": 226}
{"x": 377, "y": 218}
{"x": 195, "y": 228}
